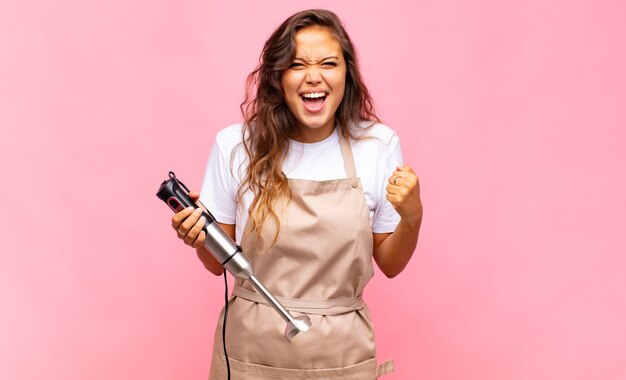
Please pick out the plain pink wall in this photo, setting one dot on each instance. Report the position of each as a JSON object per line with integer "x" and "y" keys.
{"x": 512, "y": 113}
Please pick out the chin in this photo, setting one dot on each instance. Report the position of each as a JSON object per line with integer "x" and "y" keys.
{"x": 314, "y": 122}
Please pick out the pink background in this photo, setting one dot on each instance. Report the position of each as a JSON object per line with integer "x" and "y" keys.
{"x": 512, "y": 113}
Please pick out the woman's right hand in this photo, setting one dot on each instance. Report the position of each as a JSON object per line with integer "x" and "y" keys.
{"x": 188, "y": 224}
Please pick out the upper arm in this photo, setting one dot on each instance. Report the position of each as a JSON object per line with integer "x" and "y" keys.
{"x": 219, "y": 187}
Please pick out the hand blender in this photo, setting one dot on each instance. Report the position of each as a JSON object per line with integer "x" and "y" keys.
{"x": 227, "y": 252}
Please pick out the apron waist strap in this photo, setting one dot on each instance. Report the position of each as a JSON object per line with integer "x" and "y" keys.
{"x": 334, "y": 306}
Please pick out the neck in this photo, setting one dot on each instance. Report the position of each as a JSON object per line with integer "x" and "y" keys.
{"x": 312, "y": 135}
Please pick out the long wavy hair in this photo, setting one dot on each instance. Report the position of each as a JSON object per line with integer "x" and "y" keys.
{"x": 268, "y": 121}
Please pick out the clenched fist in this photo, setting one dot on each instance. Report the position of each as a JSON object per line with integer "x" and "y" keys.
{"x": 403, "y": 192}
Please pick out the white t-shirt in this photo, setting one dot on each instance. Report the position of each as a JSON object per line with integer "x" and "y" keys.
{"x": 375, "y": 157}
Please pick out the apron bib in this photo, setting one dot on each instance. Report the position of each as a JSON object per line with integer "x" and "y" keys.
{"x": 319, "y": 265}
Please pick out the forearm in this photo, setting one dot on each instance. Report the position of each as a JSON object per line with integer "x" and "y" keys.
{"x": 207, "y": 258}
{"x": 393, "y": 253}
{"x": 209, "y": 261}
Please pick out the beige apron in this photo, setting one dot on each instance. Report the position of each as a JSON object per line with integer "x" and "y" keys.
{"x": 320, "y": 265}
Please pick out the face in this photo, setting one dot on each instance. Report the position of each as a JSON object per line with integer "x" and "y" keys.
{"x": 314, "y": 84}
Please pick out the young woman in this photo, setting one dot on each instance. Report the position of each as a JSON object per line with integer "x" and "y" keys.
{"x": 313, "y": 187}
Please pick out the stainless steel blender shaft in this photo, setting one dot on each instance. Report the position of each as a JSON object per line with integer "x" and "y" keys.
{"x": 230, "y": 255}
{"x": 294, "y": 324}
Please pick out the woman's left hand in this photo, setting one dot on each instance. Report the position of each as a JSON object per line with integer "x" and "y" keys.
{"x": 403, "y": 192}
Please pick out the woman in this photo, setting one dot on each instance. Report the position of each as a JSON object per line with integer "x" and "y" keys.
{"x": 313, "y": 187}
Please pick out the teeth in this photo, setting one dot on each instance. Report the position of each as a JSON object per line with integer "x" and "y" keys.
{"x": 314, "y": 95}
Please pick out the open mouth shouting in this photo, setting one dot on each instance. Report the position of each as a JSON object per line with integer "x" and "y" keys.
{"x": 314, "y": 101}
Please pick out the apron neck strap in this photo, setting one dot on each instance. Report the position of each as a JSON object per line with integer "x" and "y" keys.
{"x": 348, "y": 158}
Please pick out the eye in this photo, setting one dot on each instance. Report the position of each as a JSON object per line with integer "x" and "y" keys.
{"x": 329, "y": 64}
{"x": 296, "y": 65}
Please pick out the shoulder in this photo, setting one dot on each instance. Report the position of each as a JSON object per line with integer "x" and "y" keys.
{"x": 229, "y": 137}
{"x": 228, "y": 146}
{"x": 229, "y": 141}
{"x": 372, "y": 133}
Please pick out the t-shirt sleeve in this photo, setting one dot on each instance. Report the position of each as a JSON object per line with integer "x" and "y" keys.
{"x": 219, "y": 188}
{"x": 385, "y": 217}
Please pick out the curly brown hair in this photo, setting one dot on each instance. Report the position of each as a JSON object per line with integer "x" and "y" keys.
{"x": 268, "y": 121}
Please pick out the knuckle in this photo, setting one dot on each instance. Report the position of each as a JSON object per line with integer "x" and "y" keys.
{"x": 187, "y": 224}
{"x": 180, "y": 216}
{"x": 175, "y": 221}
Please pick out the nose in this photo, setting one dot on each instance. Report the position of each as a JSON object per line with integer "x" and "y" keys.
{"x": 313, "y": 75}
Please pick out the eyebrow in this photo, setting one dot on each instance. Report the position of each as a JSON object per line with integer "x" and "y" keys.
{"x": 321, "y": 60}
